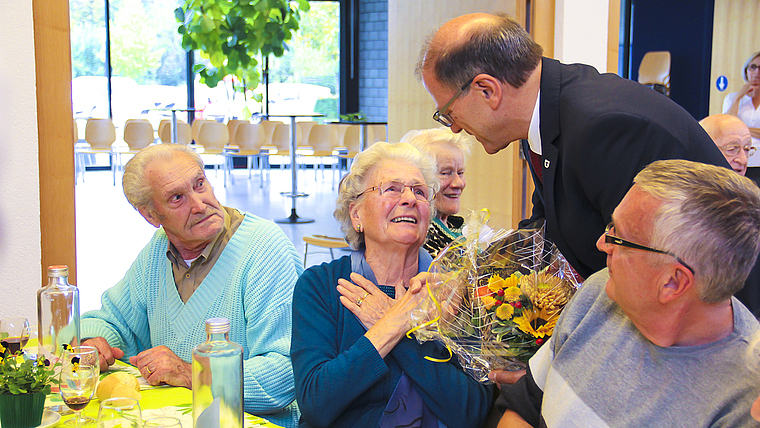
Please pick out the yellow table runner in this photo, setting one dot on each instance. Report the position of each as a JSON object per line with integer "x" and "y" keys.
{"x": 156, "y": 401}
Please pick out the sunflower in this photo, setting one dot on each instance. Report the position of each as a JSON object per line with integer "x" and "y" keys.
{"x": 496, "y": 282}
{"x": 536, "y": 322}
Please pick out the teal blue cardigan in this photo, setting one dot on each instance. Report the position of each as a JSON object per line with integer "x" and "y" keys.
{"x": 251, "y": 284}
{"x": 341, "y": 381}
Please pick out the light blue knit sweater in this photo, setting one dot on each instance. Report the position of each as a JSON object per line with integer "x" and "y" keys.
{"x": 251, "y": 284}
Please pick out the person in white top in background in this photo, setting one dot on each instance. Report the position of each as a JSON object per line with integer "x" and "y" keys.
{"x": 744, "y": 104}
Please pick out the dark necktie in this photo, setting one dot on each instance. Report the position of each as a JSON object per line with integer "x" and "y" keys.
{"x": 535, "y": 159}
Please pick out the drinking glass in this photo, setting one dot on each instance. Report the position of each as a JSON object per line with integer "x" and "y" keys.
{"x": 119, "y": 412}
{"x": 79, "y": 375}
{"x": 15, "y": 333}
{"x": 163, "y": 422}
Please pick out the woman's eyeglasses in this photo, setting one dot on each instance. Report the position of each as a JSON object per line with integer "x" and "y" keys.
{"x": 394, "y": 190}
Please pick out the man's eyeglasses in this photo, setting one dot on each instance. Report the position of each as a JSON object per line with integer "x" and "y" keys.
{"x": 753, "y": 67}
{"x": 733, "y": 150}
{"x": 444, "y": 118}
{"x": 612, "y": 239}
{"x": 394, "y": 190}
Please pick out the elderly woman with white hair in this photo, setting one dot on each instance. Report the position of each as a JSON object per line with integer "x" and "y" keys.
{"x": 745, "y": 104}
{"x": 450, "y": 151}
{"x": 352, "y": 363}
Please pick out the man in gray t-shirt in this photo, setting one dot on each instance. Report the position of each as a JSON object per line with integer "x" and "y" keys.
{"x": 656, "y": 338}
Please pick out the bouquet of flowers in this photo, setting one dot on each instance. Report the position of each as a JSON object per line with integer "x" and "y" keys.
{"x": 494, "y": 297}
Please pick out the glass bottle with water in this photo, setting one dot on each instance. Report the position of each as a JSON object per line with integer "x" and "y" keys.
{"x": 218, "y": 379}
{"x": 57, "y": 313}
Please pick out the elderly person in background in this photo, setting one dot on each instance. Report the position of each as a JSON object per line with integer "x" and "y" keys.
{"x": 204, "y": 261}
{"x": 450, "y": 151}
{"x": 745, "y": 104}
{"x": 732, "y": 137}
{"x": 352, "y": 364}
{"x": 656, "y": 338}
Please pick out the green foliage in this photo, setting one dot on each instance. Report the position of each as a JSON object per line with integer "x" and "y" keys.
{"x": 134, "y": 41}
{"x": 314, "y": 53}
{"x": 231, "y": 34}
{"x": 328, "y": 107}
{"x": 353, "y": 117}
{"x": 21, "y": 376}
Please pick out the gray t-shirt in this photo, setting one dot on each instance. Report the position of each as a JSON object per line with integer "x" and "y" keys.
{"x": 598, "y": 370}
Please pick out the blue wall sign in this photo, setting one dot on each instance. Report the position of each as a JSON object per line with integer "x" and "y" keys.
{"x": 721, "y": 83}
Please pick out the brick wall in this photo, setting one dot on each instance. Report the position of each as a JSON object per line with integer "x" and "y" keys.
{"x": 373, "y": 59}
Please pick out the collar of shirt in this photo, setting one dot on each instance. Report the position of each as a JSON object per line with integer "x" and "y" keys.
{"x": 232, "y": 220}
{"x": 534, "y": 133}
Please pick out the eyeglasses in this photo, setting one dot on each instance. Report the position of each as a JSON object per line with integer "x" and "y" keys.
{"x": 394, "y": 190}
{"x": 444, "y": 118}
{"x": 733, "y": 150}
{"x": 753, "y": 67}
{"x": 611, "y": 239}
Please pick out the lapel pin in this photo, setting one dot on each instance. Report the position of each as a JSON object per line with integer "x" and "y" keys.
{"x": 546, "y": 163}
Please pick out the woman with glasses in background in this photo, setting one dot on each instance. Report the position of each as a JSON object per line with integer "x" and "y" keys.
{"x": 450, "y": 151}
{"x": 352, "y": 363}
{"x": 745, "y": 104}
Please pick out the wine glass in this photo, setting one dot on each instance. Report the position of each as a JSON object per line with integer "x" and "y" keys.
{"x": 14, "y": 332}
{"x": 163, "y": 422}
{"x": 119, "y": 412}
{"x": 79, "y": 375}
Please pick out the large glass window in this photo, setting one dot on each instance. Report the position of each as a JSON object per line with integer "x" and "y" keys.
{"x": 149, "y": 67}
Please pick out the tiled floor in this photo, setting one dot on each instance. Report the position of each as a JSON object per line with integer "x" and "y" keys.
{"x": 110, "y": 233}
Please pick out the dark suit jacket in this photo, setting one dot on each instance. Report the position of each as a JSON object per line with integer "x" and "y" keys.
{"x": 597, "y": 132}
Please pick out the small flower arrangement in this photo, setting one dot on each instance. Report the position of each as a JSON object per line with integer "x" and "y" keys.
{"x": 494, "y": 297}
{"x": 21, "y": 376}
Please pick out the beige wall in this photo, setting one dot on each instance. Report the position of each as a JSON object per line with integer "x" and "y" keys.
{"x": 736, "y": 36}
{"x": 20, "y": 272}
{"x": 410, "y": 106}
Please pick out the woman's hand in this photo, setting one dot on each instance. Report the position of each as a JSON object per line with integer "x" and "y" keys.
{"x": 387, "y": 319}
{"x": 747, "y": 89}
{"x": 364, "y": 299}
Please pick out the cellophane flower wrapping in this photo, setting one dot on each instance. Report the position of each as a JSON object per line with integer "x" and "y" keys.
{"x": 494, "y": 296}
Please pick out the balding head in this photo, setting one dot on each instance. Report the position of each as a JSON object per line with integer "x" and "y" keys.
{"x": 732, "y": 137}
{"x": 479, "y": 43}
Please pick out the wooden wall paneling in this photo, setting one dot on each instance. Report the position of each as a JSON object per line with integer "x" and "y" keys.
{"x": 613, "y": 36}
{"x": 736, "y": 36}
{"x": 489, "y": 177}
{"x": 55, "y": 129}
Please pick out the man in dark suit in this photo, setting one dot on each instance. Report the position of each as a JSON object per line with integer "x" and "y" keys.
{"x": 586, "y": 134}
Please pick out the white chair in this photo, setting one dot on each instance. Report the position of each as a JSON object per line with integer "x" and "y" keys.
{"x": 249, "y": 138}
{"x": 654, "y": 71}
{"x": 213, "y": 137}
{"x": 323, "y": 140}
{"x": 279, "y": 145}
{"x": 138, "y": 134}
{"x": 184, "y": 132}
{"x": 323, "y": 241}
{"x": 196, "y": 126}
{"x": 232, "y": 126}
{"x": 100, "y": 134}
{"x": 376, "y": 133}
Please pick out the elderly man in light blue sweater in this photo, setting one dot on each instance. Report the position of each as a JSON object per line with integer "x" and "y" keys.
{"x": 204, "y": 261}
